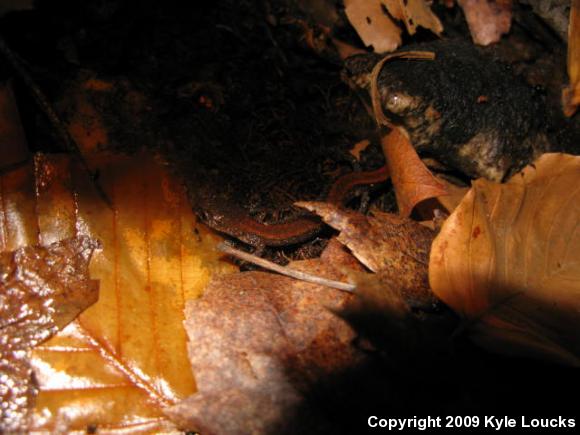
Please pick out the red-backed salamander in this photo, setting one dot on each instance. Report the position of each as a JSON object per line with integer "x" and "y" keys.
{"x": 224, "y": 216}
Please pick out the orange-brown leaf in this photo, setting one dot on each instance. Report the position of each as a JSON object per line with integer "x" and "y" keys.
{"x": 373, "y": 26}
{"x": 359, "y": 147}
{"x": 417, "y": 13}
{"x": 378, "y": 30}
{"x": 412, "y": 181}
{"x": 507, "y": 260}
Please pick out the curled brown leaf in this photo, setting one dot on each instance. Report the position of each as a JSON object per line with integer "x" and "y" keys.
{"x": 412, "y": 180}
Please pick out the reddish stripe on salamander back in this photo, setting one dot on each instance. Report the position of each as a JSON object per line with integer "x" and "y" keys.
{"x": 234, "y": 220}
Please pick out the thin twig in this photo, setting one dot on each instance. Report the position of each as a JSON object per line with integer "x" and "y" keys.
{"x": 293, "y": 273}
{"x": 69, "y": 144}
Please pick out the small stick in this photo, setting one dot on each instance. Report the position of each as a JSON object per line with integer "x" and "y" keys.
{"x": 293, "y": 273}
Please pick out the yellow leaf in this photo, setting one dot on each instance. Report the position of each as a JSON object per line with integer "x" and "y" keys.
{"x": 508, "y": 261}
{"x": 120, "y": 363}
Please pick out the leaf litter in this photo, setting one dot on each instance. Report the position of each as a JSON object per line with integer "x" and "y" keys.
{"x": 124, "y": 359}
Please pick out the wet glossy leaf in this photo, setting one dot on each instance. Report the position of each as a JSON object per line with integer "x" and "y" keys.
{"x": 124, "y": 359}
{"x": 41, "y": 291}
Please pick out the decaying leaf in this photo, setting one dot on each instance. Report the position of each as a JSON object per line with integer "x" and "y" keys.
{"x": 395, "y": 247}
{"x": 257, "y": 341}
{"x": 387, "y": 306}
{"x": 41, "y": 291}
{"x": 571, "y": 94}
{"x": 121, "y": 362}
{"x": 487, "y": 20}
{"x": 414, "y": 14}
{"x": 412, "y": 181}
{"x": 378, "y": 30}
{"x": 373, "y": 26}
{"x": 507, "y": 260}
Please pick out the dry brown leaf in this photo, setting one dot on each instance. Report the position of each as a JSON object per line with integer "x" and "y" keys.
{"x": 373, "y": 26}
{"x": 125, "y": 358}
{"x": 359, "y": 147}
{"x": 571, "y": 94}
{"x": 412, "y": 181}
{"x": 376, "y": 28}
{"x": 487, "y": 20}
{"x": 507, "y": 260}
{"x": 395, "y": 247}
{"x": 416, "y": 13}
{"x": 382, "y": 310}
{"x": 257, "y": 341}
{"x": 41, "y": 291}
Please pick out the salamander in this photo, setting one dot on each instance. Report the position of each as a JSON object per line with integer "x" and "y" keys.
{"x": 223, "y": 215}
